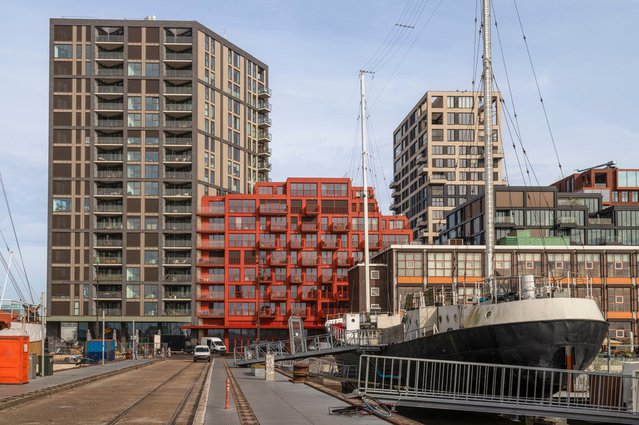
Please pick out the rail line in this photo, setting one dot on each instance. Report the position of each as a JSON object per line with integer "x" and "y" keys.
{"x": 242, "y": 405}
{"x": 180, "y": 405}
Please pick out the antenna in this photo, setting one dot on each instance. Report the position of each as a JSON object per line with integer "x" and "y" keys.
{"x": 362, "y": 74}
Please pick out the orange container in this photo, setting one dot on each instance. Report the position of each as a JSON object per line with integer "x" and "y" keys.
{"x": 14, "y": 359}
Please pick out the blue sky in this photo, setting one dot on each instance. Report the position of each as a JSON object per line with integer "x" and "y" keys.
{"x": 584, "y": 53}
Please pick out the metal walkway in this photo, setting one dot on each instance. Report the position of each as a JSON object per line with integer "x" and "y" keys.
{"x": 526, "y": 391}
{"x": 298, "y": 347}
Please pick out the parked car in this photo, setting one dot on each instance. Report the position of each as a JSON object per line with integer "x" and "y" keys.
{"x": 214, "y": 343}
{"x": 201, "y": 352}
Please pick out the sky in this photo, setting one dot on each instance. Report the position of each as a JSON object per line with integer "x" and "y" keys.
{"x": 584, "y": 54}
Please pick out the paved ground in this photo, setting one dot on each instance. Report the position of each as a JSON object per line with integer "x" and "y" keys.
{"x": 282, "y": 402}
{"x": 66, "y": 376}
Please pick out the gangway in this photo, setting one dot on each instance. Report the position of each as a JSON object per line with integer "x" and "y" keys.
{"x": 503, "y": 389}
{"x": 299, "y": 347}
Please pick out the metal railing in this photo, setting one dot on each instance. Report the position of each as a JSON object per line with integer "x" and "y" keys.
{"x": 502, "y": 388}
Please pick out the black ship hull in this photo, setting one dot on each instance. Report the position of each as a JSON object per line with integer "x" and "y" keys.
{"x": 536, "y": 344}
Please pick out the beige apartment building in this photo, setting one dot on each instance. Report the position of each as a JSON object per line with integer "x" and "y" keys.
{"x": 145, "y": 118}
{"x": 438, "y": 158}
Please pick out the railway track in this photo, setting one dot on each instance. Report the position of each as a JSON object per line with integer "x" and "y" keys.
{"x": 166, "y": 392}
{"x": 139, "y": 405}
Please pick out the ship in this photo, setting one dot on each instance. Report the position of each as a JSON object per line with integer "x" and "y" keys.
{"x": 521, "y": 320}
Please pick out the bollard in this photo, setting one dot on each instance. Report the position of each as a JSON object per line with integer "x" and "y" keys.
{"x": 227, "y": 405}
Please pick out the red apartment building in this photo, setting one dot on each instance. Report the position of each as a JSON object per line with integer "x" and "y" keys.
{"x": 282, "y": 251}
{"x": 617, "y": 186}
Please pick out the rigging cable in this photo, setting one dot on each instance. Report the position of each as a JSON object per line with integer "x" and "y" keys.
{"x": 4, "y": 193}
{"x": 541, "y": 99}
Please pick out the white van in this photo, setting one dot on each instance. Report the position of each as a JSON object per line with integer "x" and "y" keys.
{"x": 214, "y": 343}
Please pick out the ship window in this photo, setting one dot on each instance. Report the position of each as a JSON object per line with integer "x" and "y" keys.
{"x": 530, "y": 265}
{"x": 618, "y": 265}
{"x": 375, "y": 275}
{"x": 620, "y": 333}
{"x": 559, "y": 265}
{"x": 618, "y": 299}
{"x": 589, "y": 265}
{"x": 374, "y": 292}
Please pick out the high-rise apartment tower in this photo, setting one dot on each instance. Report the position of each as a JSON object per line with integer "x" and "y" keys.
{"x": 438, "y": 158}
{"x": 145, "y": 118}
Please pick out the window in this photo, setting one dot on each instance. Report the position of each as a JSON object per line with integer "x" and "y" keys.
{"x": 61, "y": 204}
{"x": 440, "y": 264}
{"x": 151, "y": 188}
{"x": 150, "y": 257}
{"x": 409, "y": 264}
{"x": 469, "y": 264}
{"x": 151, "y": 171}
{"x": 133, "y": 223}
{"x": 150, "y": 291}
{"x": 134, "y": 69}
{"x": 375, "y": 275}
{"x": 152, "y": 120}
{"x": 62, "y": 51}
{"x": 152, "y": 103}
{"x": 134, "y": 171}
{"x": 134, "y": 120}
{"x": 134, "y": 103}
{"x": 150, "y": 309}
{"x": 133, "y": 291}
{"x": 133, "y": 188}
{"x": 152, "y": 69}
{"x": 132, "y": 274}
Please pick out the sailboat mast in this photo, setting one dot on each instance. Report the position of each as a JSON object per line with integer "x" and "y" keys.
{"x": 367, "y": 284}
{"x": 489, "y": 191}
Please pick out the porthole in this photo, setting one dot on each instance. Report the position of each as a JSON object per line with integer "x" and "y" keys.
{"x": 488, "y": 314}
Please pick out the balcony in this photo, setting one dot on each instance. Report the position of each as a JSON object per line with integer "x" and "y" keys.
{"x": 296, "y": 278}
{"x": 177, "y": 312}
{"x": 178, "y": 39}
{"x": 211, "y": 227}
{"x": 273, "y": 209}
{"x": 178, "y": 107}
{"x": 436, "y": 179}
{"x": 109, "y": 89}
{"x": 210, "y": 262}
{"x": 108, "y": 243}
{"x": 170, "y": 56}
{"x": 109, "y": 191}
{"x": 394, "y": 185}
{"x": 109, "y": 106}
{"x": 108, "y": 38}
{"x": 178, "y": 175}
{"x": 210, "y": 245}
{"x": 263, "y": 106}
{"x": 177, "y": 295}
{"x": 345, "y": 262}
{"x": 177, "y": 260}
{"x": 297, "y": 244}
{"x": 108, "y": 294}
{"x": 309, "y": 227}
{"x": 109, "y": 123}
{"x": 311, "y": 210}
{"x": 178, "y": 123}
{"x": 206, "y": 296}
{"x": 267, "y": 244}
{"x": 263, "y": 121}
{"x": 109, "y": 225}
{"x": 263, "y": 136}
{"x": 180, "y": 90}
{"x": 109, "y": 72}
{"x": 339, "y": 227}
{"x": 503, "y": 221}
{"x": 309, "y": 261}
{"x": 212, "y": 210}
{"x": 279, "y": 294}
{"x": 178, "y": 243}
{"x": 330, "y": 244}
{"x": 264, "y": 151}
{"x": 178, "y": 226}
{"x": 178, "y": 141}
{"x": 211, "y": 279}
{"x": 109, "y": 208}
{"x": 263, "y": 165}
{"x": 178, "y": 158}
{"x": 177, "y": 278}
{"x": 264, "y": 91}
{"x": 108, "y": 277}
{"x": 309, "y": 296}
{"x": 178, "y": 192}
{"x": 110, "y": 311}
{"x": 183, "y": 73}
{"x": 109, "y": 157}
{"x": 266, "y": 313}
{"x": 109, "y": 140}
{"x": 218, "y": 312}
{"x": 265, "y": 278}
{"x": 277, "y": 228}
{"x": 567, "y": 222}
{"x": 278, "y": 261}
{"x": 109, "y": 55}
{"x": 107, "y": 260}
{"x": 177, "y": 209}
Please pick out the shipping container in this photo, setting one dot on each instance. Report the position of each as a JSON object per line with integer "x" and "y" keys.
{"x": 14, "y": 359}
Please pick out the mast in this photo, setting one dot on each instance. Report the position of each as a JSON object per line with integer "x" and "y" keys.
{"x": 367, "y": 285}
{"x": 489, "y": 192}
